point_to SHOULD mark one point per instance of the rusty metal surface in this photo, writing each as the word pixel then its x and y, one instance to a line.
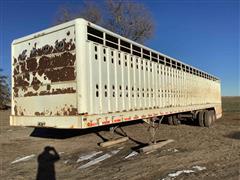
pixel 42 90
pixel 58 105
pixel 45 67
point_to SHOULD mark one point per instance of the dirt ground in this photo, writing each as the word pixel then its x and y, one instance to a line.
pixel 196 153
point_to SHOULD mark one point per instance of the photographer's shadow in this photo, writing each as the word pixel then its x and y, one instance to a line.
pixel 46 160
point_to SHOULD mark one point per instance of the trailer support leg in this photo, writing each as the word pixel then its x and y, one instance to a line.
pixel 153 144
pixel 152 129
pixel 113 140
pixel 112 131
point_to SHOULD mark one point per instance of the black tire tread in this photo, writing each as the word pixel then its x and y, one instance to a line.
pixel 201 118
pixel 207 118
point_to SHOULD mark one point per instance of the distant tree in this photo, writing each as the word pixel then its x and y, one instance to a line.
pixel 88 10
pixel 4 91
pixel 129 19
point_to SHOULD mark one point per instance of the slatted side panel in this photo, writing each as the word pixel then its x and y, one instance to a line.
pixel 122 82
pixel 94 72
pixel 132 103
pixel 142 87
pixel 125 79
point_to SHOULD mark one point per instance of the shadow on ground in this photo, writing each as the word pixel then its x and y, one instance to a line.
pixel 234 135
pixel 53 133
pixel 46 161
pixel 188 122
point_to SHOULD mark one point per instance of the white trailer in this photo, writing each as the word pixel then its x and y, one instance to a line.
pixel 80 75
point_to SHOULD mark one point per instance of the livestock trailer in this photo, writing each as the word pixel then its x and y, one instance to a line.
pixel 80 75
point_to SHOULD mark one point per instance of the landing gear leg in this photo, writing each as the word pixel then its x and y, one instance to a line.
pixel 153 127
pixel 114 140
pixel 112 131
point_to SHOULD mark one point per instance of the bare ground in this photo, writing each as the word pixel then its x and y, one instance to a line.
pixel 216 148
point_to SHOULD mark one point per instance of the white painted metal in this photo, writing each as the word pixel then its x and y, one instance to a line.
pixel 31 105
pixel 115 86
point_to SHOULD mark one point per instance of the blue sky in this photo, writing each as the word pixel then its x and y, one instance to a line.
pixel 203 33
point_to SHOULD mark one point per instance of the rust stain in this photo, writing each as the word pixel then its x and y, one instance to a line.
pixel 15 110
pixel 35 81
pixel 73 111
pixel 30 93
pixel 15 91
pixel 16 70
pixel 32 64
pixel 47 49
pixel 39 51
pixel 43 63
pixel 62 45
pixel 37 113
pixel 40 72
pixel 36 87
pixel 66 110
pixel 42 93
pixel 63 74
pixel 64 91
pixel 18 111
pixel 58 91
pixel 24 88
pixel 49 91
pixel 19 81
pixel 23 66
pixel 48 87
pixel 22 56
pixel 46 66
pixel 65 59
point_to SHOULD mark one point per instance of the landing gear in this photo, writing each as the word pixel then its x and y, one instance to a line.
pixel 114 140
pixel 153 127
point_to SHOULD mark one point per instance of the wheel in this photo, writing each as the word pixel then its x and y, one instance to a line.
pixel 213 116
pixel 170 120
pixel 208 118
pixel 176 121
pixel 201 118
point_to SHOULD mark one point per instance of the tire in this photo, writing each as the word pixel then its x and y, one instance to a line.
pixel 176 121
pixel 213 116
pixel 170 120
pixel 208 118
pixel 201 118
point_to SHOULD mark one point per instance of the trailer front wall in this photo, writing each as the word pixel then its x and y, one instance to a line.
pixel 44 75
